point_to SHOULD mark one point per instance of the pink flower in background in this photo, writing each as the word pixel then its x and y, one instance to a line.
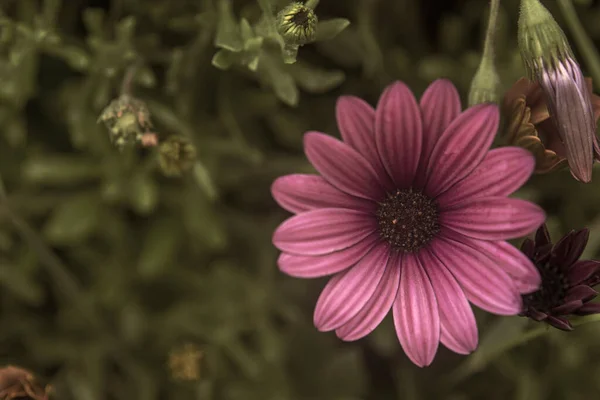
pixel 410 214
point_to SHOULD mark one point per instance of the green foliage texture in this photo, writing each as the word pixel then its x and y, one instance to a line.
pixel 106 265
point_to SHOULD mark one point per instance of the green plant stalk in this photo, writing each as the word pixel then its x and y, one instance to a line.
pixel 473 365
pixel 490 34
pixel 582 40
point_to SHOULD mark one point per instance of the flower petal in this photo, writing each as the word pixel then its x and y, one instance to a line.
pixel 461 148
pixel 484 283
pixel 570 247
pixel 342 166
pixel 581 292
pixel 399 133
pixel 378 306
pixel 416 314
pixel 356 121
pixel 582 270
pixel 440 105
pixel 501 173
pixel 559 323
pixel 347 292
pixel 589 308
pixel 567 308
pixel 510 259
pixel 458 326
pixel 328 264
pixel 323 231
pixel 303 192
pixel 494 218
pixel 571 109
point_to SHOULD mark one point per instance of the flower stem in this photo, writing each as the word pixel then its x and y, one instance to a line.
pixel 474 364
pixel 490 34
pixel 584 43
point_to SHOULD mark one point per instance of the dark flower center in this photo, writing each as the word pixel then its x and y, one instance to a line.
pixel 552 291
pixel 408 220
pixel 300 18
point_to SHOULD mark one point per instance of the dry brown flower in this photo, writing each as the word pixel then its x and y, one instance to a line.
pixel 18 383
pixel 530 126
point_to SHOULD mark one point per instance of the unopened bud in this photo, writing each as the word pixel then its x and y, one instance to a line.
pixel 297 24
pixel 176 155
pixel 542 42
pixel 484 86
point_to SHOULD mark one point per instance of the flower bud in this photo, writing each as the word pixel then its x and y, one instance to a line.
pixel 484 86
pixel 550 62
pixel 297 24
pixel 176 155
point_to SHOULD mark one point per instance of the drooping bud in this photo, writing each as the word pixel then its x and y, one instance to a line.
pixel 176 155
pixel 485 83
pixel 297 24
pixel 550 62
pixel 484 86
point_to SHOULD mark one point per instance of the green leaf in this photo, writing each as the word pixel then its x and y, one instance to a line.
pixel 159 247
pixel 20 284
pixel 331 28
pixel 50 170
pixel 224 59
pixel 74 220
pixel 228 31
pixel 143 195
pixel 316 80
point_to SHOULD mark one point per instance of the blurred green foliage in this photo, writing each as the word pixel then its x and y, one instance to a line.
pixel 107 266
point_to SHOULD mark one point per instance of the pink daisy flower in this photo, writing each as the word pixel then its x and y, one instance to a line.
pixel 410 214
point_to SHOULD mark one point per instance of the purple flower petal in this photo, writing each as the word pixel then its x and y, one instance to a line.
pixel 501 173
pixel 458 326
pixel 570 247
pixel 589 308
pixel 510 259
pixel 484 283
pixel 378 306
pixel 440 104
pixel 416 314
pixel 567 308
pixel 328 264
pixel 342 166
pixel 356 121
pixel 571 110
pixel 559 323
pixel 302 192
pixel 582 270
pixel 494 218
pixel 323 231
pixel 347 292
pixel 581 292
pixel 399 133
pixel 461 148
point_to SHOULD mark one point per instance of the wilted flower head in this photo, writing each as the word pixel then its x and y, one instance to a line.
pixel 19 384
pixel 127 119
pixel 550 62
pixel 410 214
pixel 297 24
pixel 530 126
pixel 566 281
pixel 184 362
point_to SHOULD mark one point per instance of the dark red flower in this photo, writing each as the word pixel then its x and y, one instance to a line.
pixel 566 281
